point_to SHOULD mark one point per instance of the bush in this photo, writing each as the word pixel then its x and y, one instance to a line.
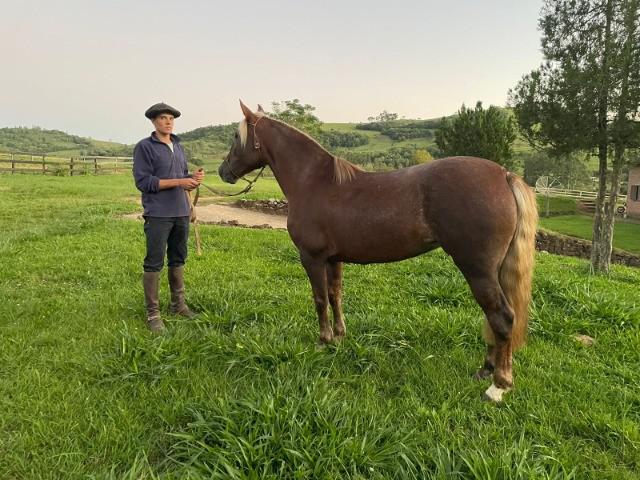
pixel 335 139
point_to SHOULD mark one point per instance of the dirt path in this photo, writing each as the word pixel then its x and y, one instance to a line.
pixel 229 215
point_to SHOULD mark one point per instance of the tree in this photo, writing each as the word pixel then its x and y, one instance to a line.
pixel 570 170
pixel 384 116
pixel 297 115
pixel 421 156
pixel 586 96
pixel 480 133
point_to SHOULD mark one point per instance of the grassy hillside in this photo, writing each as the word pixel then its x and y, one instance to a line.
pixel 87 392
pixel 54 142
pixel 207 145
pixel 377 141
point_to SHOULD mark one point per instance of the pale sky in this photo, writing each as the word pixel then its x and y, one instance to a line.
pixel 92 67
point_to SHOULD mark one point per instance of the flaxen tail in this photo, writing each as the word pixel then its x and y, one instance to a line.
pixel 517 267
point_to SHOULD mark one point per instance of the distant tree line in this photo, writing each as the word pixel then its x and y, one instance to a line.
pixel 395 157
pixel 336 139
pixel 402 130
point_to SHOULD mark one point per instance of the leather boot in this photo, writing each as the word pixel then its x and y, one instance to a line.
pixel 176 285
pixel 151 281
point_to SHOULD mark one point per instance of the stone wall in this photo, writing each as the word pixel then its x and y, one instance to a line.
pixel 271 206
pixel 575 247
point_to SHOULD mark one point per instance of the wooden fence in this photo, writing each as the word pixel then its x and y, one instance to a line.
pixel 562 192
pixel 54 165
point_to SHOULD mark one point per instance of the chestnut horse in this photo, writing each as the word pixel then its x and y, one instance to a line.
pixel 481 215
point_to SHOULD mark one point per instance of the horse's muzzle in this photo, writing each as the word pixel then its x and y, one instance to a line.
pixel 226 175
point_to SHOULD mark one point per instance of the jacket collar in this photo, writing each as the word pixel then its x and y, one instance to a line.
pixel 174 138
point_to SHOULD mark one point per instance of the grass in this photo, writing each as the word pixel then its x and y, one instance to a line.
pixel 86 392
pixel 626 235
pixel 557 205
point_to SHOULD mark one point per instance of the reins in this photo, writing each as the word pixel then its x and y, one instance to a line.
pixel 250 183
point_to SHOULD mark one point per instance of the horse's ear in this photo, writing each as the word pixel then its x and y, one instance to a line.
pixel 260 109
pixel 248 114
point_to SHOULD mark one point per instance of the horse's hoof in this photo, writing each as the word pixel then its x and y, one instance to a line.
pixel 494 394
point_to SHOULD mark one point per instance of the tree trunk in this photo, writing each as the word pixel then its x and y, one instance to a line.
pixel 598 248
pixel 619 136
pixel 599 258
pixel 610 210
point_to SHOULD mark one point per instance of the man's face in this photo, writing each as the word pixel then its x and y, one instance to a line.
pixel 164 123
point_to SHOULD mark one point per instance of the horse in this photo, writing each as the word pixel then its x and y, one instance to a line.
pixel 481 215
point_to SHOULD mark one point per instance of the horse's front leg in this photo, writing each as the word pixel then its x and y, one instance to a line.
pixel 334 280
pixel 317 272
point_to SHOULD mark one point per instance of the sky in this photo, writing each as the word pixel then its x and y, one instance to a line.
pixel 92 68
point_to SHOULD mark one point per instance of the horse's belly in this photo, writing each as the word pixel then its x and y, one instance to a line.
pixel 379 243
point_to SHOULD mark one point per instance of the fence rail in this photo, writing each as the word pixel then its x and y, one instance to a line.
pixel 563 192
pixel 54 165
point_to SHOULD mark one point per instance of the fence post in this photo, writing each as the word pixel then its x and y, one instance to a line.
pixel 71 167
pixel 95 165
pixel 116 169
pixel 13 165
pixel 44 166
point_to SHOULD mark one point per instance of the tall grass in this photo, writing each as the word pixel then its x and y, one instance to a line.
pixel 87 392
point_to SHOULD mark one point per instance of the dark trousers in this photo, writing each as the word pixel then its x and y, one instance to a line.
pixel 165 234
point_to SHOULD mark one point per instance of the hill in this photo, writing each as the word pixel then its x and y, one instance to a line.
pixel 374 145
pixel 38 140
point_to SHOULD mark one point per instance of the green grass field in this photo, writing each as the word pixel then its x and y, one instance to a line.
pixel 86 392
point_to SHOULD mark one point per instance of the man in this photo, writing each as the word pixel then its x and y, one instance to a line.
pixel 161 174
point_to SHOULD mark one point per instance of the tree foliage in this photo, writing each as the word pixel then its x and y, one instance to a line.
pixel 384 116
pixel 402 130
pixel 586 95
pixel 480 133
pixel 336 139
pixel 571 170
pixel 298 115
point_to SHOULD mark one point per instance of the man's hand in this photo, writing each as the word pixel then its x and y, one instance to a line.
pixel 189 183
pixel 198 176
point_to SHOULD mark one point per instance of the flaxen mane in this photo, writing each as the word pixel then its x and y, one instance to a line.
pixel 343 170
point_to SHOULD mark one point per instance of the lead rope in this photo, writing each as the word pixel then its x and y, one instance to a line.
pixel 193 202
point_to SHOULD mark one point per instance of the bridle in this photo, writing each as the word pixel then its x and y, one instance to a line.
pixel 194 201
pixel 256 146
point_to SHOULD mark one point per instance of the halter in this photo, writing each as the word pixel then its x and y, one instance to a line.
pixel 256 146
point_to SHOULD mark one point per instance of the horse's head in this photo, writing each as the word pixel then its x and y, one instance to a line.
pixel 245 155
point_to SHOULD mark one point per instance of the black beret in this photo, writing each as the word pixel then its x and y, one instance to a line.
pixel 154 110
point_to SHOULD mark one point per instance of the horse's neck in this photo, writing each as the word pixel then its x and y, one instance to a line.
pixel 297 162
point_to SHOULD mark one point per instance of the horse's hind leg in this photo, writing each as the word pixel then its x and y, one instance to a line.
pixel 486 370
pixel 334 280
pixel 317 273
pixel 499 315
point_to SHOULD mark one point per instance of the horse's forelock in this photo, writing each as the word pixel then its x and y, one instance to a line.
pixel 242 131
pixel 243 128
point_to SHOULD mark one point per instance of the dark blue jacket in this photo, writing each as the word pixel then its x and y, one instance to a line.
pixel 152 161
